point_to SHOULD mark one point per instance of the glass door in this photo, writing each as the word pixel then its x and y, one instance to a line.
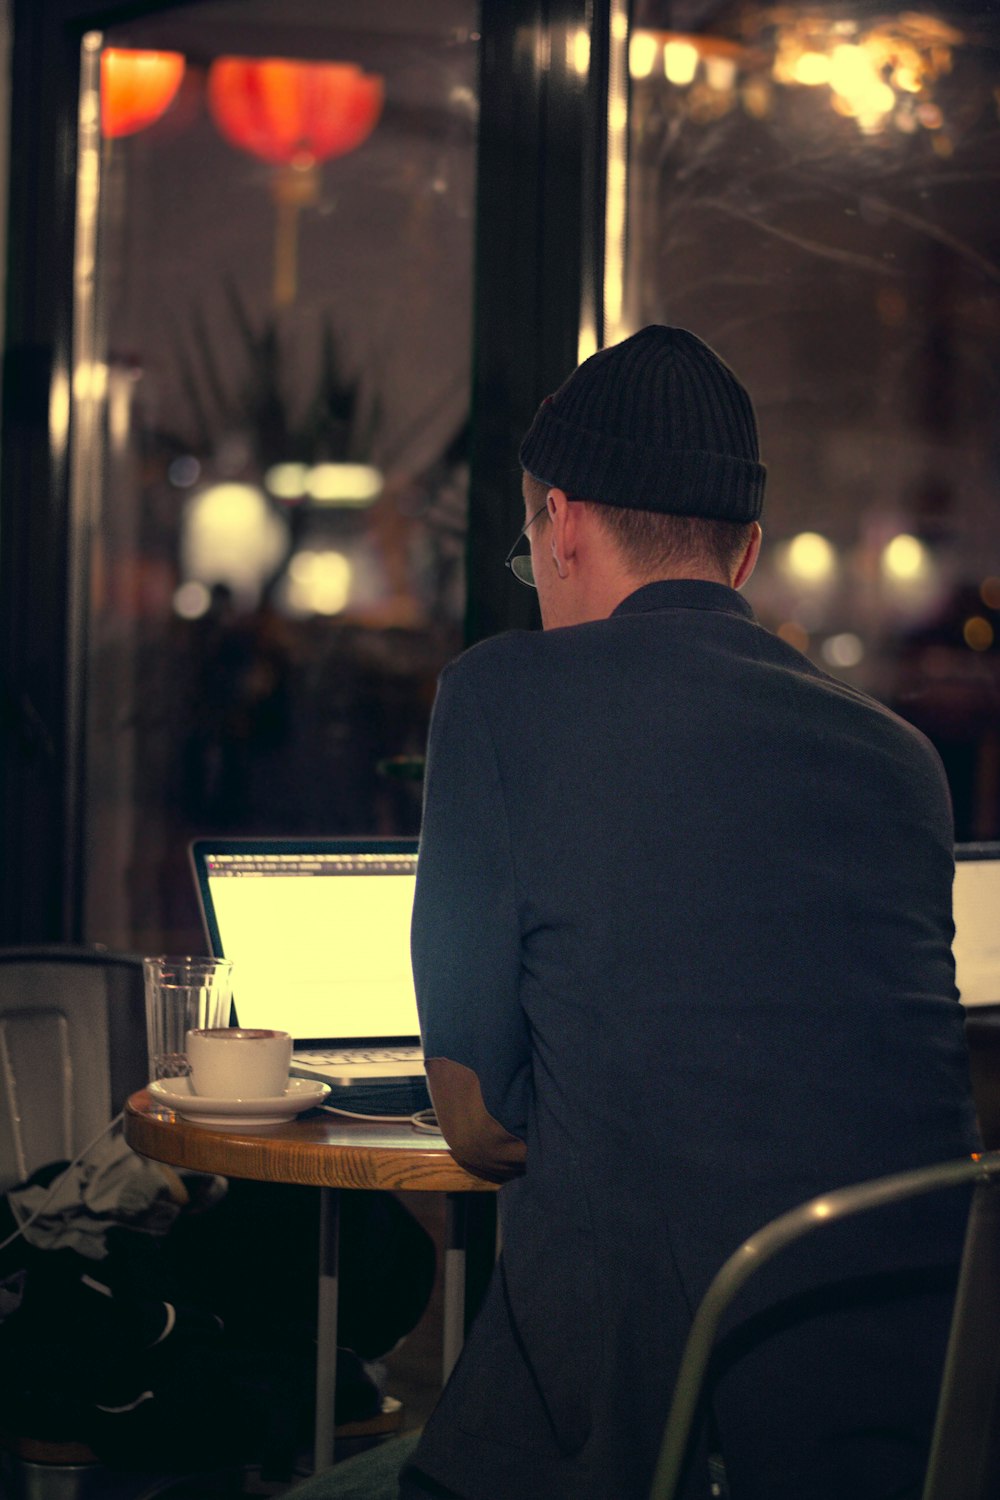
pixel 811 190
pixel 270 409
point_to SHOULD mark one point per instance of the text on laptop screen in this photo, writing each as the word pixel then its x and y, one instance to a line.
pixel 320 943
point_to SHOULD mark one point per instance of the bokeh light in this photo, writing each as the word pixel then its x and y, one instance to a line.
pixel 878 73
pixel 906 560
pixel 843 650
pixel 287 481
pixel 184 471
pixel 859 89
pixel 811 69
pixel 989 592
pixel 319 582
pixel 343 484
pixel 978 633
pixel 641 54
pixel 680 62
pixel 230 534
pixel 792 633
pixel 808 559
pixel 192 600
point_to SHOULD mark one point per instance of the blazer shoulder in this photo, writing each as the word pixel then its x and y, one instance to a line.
pixel 495 655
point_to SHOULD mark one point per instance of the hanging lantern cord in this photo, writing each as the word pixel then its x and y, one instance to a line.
pixel 295 187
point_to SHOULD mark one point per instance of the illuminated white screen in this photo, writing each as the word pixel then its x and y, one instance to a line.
pixel 977 931
pixel 320 956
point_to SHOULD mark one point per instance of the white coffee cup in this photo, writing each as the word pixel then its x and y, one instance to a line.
pixel 229 1062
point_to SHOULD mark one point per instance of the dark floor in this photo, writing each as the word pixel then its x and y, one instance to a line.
pixel 413 1377
pixel 268 1242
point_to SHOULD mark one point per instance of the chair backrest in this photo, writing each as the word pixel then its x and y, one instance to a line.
pixel 965 1453
pixel 72 1048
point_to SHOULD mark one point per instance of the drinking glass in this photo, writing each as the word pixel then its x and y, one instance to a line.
pixel 183 994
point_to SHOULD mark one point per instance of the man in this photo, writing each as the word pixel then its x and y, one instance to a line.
pixel 681 942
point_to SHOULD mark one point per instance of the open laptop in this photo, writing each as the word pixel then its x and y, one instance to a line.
pixel 977 923
pixel 319 934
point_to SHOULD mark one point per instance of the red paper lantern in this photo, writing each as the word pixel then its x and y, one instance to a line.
pixel 293 113
pixel 137 88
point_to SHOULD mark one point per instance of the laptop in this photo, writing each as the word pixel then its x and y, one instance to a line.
pixel 319 934
pixel 976 905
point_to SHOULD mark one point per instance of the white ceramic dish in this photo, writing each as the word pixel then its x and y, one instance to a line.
pixel 199 1109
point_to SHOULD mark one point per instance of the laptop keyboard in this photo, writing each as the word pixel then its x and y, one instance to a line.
pixel 342 1057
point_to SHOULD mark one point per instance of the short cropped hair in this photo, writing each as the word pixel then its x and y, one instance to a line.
pixel 653 543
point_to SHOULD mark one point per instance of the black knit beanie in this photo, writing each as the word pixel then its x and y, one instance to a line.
pixel 657 422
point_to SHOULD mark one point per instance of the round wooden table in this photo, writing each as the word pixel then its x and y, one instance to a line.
pixel 328 1152
pixel 318 1149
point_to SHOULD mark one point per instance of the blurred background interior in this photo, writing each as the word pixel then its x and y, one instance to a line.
pixel 286 280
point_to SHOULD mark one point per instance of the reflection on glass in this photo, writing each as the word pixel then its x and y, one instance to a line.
pixel 879 70
pixel 276 376
pixel 812 191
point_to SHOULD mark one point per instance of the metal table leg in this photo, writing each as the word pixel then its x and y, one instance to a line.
pixel 326 1328
pixel 470 1251
pixel 454 1281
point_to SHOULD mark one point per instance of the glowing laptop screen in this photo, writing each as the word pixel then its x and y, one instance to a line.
pixel 319 936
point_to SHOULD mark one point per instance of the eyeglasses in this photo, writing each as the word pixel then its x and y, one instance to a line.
pixel 520 565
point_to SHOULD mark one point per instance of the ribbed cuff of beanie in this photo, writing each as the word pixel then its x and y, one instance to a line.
pixel 681 482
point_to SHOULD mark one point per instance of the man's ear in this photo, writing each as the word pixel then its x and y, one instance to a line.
pixel 562 519
pixel 749 559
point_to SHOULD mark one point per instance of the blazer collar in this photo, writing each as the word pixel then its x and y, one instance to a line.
pixel 684 593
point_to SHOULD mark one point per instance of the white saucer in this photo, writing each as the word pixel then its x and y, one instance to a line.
pixel 200 1109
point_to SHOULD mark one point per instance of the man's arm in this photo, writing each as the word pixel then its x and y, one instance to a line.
pixel 478 1142
pixel 466 941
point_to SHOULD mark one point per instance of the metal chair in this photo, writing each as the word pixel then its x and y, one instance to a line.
pixel 72 1049
pixel 965 1451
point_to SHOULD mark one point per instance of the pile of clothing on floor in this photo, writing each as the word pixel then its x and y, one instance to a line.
pixel 168 1319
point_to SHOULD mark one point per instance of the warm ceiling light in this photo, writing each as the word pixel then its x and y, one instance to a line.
pixel 641 54
pixel 343 484
pixel 137 88
pixel 811 69
pixel 680 62
pixel 857 84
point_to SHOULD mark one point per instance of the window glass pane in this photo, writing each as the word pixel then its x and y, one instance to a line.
pixel 273 352
pixel 812 190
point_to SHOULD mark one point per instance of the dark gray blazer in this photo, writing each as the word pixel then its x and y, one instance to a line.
pixel 684 905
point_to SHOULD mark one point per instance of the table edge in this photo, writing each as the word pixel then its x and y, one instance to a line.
pixel 279 1155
